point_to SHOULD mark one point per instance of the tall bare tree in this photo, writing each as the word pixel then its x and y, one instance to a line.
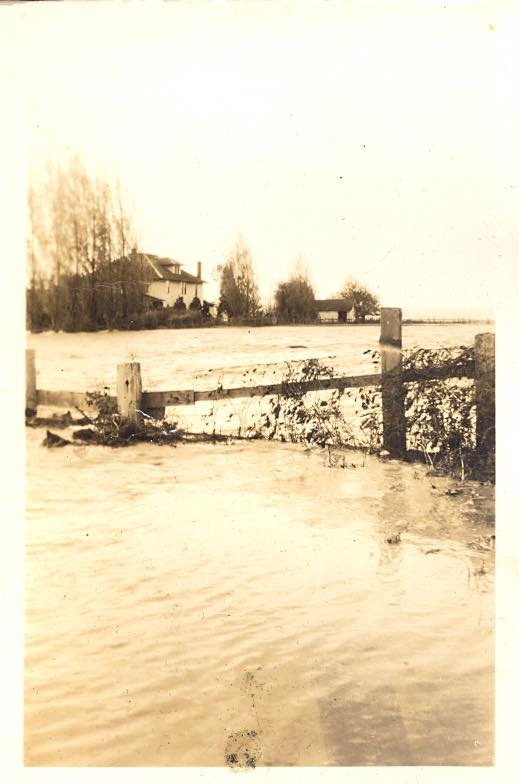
pixel 80 233
pixel 239 294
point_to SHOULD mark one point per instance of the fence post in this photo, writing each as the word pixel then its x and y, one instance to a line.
pixel 393 392
pixel 129 391
pixel 485 393
pixel 31 402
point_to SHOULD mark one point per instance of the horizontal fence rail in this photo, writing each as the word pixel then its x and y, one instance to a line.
pixel 51 397
pixel 186 397
pixel 133 402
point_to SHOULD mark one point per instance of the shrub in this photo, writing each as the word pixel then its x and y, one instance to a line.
pixel 294 415
pixel 440 414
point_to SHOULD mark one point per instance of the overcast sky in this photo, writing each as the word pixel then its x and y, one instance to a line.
pixel 362 139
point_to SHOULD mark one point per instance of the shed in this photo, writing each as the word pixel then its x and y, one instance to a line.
pixel 335 310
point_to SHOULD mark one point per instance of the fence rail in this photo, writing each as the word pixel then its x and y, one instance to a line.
pixel 185 397
pixel 132 401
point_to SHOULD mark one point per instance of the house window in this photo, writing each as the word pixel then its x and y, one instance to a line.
pixel 184 288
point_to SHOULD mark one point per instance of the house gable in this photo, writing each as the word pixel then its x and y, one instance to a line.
pixel 169 280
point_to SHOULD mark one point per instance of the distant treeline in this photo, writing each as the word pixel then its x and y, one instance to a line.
pixel 115 298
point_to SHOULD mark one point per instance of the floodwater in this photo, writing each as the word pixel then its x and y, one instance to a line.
pixel 239 603
pixel 199 358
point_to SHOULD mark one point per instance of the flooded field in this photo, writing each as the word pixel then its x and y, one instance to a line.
pixel 199 358
pixel 240 603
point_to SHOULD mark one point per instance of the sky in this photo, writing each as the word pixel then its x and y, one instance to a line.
pixel 360 138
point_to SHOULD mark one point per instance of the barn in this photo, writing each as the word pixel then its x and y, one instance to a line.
pixel 335 310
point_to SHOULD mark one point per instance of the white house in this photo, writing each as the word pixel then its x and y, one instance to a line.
pixel 169 281
pixel 335 310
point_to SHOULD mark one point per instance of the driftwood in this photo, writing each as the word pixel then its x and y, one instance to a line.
pixel 52 440
pixel 129 433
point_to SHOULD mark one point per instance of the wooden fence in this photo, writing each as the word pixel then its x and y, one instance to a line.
pixel 133 402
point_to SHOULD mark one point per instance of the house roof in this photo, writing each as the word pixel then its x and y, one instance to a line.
pixel 163 268
pixel 331 305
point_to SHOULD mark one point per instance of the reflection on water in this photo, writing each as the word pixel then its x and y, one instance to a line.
pixel 180 599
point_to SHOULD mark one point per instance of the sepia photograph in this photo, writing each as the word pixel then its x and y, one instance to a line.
pixel 259 290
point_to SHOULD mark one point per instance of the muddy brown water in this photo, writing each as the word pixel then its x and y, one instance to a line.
pixel 213 604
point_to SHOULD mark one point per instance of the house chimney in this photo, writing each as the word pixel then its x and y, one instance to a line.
pixel 199 270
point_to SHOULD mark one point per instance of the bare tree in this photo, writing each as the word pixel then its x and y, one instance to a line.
pixel 239 295
pixel 80 231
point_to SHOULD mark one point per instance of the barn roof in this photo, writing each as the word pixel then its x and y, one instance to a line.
pixel 332 305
